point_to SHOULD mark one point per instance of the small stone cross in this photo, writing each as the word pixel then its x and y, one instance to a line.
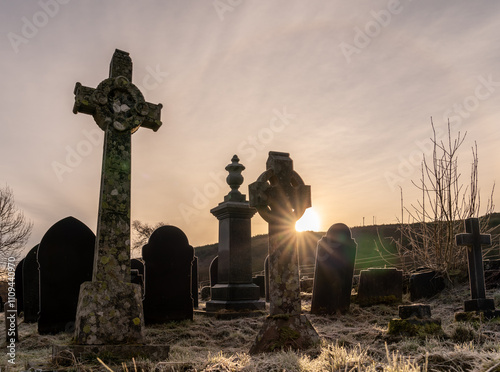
pixel 119 109
pixel 473 239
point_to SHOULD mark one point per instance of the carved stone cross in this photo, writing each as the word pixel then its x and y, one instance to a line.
pixel 119 109
pixel 473 239
pixel 110 307
pixel 281 198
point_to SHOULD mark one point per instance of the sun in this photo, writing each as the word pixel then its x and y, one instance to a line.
pixel 309 221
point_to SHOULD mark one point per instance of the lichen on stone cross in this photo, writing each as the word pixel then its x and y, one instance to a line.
pixel 110 307
pixel 119 109
pixel 280 197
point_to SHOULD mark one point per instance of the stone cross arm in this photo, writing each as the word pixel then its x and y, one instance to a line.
pixel 116 101
pixel 473 235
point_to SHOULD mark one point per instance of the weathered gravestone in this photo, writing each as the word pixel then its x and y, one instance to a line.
pixel 213 272
pixel 168 258
pixel 31 286
pixel 234 289
pixel 266 278
pixel 415 320
pixel 380 286
pixel 473 239
pixel 137 273
pixel 425 283
pixel 335 256
pixel 194 282
pixel 260 281
pixel 281 198
pixel 110 312
pixel 18 285
pixel 66 257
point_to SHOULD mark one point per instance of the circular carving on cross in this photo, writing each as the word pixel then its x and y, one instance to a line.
pixel 119 104
pixel 281 199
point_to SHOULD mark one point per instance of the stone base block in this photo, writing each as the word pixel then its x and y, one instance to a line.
pixel 235 292
pixel 214 305
pixel 479 304
pixel 109 313
pixel 66 355
pixel 419 311
pixel 284 332
pixel 228 315
pixel 413 327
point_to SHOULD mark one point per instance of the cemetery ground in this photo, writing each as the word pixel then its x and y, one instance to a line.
pixel 357 341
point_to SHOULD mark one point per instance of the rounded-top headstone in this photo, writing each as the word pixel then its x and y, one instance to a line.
pixel 339 233
pixel 31 286
pixel 66 259
pixel 168 261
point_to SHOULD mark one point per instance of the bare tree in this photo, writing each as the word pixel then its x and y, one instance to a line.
pixel 15 230
pixel 142 232
pixel 428 234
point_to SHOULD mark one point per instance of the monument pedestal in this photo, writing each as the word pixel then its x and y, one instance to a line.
pixel 109 313
pixel 284 332
pixel 235 297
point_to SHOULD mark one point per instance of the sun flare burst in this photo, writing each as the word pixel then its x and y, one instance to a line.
pixel 309 222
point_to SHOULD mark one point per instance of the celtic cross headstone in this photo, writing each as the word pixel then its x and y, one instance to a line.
pixel 110 308
pixel 281 198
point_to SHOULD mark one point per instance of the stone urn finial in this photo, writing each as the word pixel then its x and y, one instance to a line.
pixel 234 180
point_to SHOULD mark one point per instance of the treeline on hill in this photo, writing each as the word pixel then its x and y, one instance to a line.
pixel 376 247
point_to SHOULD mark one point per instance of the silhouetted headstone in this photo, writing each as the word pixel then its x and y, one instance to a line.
pixel 18 285
pixel 266 277
pixel 31 286
pixel 473 239
pixel 335 256
pixel 234 290
pixel 380 286
pixel 66 258
pixel 194 282
pixel 213 271
pixel 137 273
pixel 281 198
pixel 260 280
pixel 425 284
pixel 1 305
pixel 168 258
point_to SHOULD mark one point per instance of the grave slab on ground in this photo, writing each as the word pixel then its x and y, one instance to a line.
pixel 380 286
pixel 415 320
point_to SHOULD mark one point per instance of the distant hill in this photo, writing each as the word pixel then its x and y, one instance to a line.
pixel 370 240
pixel 366 237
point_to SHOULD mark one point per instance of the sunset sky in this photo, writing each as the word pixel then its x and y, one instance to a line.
pixel 347 88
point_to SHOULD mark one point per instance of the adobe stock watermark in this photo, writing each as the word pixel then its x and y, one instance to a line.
pixel 372 28
pixel 11 312
pixel 93 138
pixel 32 25
pixel 223 6
pixel 456 114
pixel 247 151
